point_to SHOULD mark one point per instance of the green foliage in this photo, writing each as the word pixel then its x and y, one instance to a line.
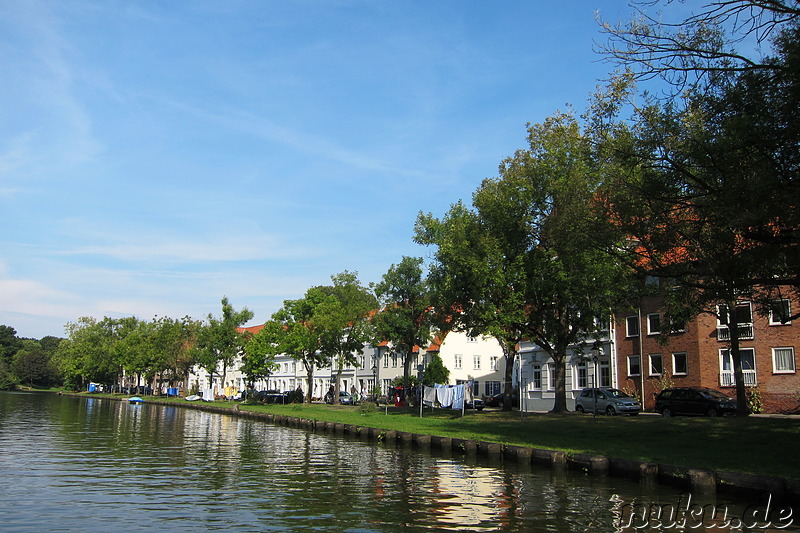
pixel 435 371
pixel 342 319
pixel 219 342
pixel 367 408
pixel 754 403
pixel 406 318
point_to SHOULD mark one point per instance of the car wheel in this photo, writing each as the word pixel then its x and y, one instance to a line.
pixel 579 408
pixel 667 412
pixel 610 411
pixel 712 412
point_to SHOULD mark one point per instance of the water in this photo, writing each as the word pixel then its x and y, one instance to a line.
pixel 77 464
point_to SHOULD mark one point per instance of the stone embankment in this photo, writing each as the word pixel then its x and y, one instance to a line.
pixel 696 480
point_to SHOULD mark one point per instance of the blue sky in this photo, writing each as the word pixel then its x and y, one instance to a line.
pixel 157 156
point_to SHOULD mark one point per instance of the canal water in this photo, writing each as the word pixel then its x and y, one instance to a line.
pixel 82 464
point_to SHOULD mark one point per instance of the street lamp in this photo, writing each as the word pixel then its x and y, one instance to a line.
pixel 597 352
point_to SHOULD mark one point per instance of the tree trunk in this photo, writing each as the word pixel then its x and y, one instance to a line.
pixel 742 405
pixel 309 380
pixel 510 355
pixel 560 402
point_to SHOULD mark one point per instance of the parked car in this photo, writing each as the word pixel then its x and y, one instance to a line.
pixel 497 400
pixel 694 401
pixel 344 398
pixel 609 401
pixel 476 404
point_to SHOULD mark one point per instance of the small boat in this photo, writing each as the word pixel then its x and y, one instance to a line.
pixel 135 399
pixel 193 398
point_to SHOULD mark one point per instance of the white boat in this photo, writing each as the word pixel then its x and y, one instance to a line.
pixel 135 399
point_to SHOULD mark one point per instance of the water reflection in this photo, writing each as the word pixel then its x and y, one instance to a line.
pixel 73 464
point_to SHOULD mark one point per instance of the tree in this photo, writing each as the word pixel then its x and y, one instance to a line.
pixel 293 331
pixel 258 361
pixel 406 317
pixel 708 183
pixel 479 272
pixel 32 365
pixel 343 322
pixel 537 231
pixel 435 371
pixel 715 39
pixel 219 342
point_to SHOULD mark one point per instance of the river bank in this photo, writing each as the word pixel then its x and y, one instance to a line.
pixel 692 454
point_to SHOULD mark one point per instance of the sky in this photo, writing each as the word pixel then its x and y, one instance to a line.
pixel 157 156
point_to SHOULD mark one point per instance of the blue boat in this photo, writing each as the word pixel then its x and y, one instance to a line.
pixel 135 399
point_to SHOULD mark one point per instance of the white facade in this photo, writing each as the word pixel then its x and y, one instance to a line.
pixel 479 360
pixel 536 370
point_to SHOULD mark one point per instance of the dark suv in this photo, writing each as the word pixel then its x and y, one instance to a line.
pixel 694 401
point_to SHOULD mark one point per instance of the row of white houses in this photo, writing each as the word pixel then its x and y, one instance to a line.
pixel 477 360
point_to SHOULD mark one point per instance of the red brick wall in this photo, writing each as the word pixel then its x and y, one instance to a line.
pixel 780 392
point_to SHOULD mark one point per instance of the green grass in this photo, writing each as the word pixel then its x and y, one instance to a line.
pixel 753 445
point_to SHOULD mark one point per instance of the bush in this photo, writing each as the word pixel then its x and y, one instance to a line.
pixel 368 408
pixel 754 403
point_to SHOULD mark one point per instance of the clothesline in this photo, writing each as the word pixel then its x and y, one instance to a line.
pixel 453 396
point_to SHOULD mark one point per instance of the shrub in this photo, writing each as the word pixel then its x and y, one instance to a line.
pixel 754 403
pixel 368 408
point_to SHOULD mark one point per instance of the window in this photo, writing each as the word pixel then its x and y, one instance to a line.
pixel 476 362
pixel 493 363
pixel 779 313
pixel 580 374
pixel 783 360
pixel 680 366
pixel 634 365
pixel 536 376
pixel 551 376
pixel 386 361
pixel 744 321
pixel 492 388
pixel 457 361
pixel 653 324
pixel 362 361
pixel 472 339
pixel 656 364
pixel 605 374
pixel 632 326
pixel 748 358
pixel 394 360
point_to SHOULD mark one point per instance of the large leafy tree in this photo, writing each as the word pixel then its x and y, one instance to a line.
pixel 532 251
pixel 293 331
pixel 708 180
pixel 406 318
pixel 218 340
pixel 343 322
pixel 479 272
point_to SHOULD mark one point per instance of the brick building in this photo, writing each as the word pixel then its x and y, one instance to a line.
pixel 698 355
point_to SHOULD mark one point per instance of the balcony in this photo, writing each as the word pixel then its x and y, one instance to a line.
pixel 745 332
pixel 727 379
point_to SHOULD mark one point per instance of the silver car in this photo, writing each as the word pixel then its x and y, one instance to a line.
pixel 607 400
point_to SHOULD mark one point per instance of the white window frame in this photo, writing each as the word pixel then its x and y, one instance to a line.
pixel 652 357
pixel 675 371
pixel 457 361
pixel 551 376
pixel 776 321
pixel 536 376
pixel 639 362
pixel 476 362
pixel 629 321
pixel 493 363
pixel 580 374
pixel 726 377
pixel 472 339
pixel 650 329
pixel 775 369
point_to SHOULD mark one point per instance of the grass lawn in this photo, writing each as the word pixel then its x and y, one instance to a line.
pixel 754 444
